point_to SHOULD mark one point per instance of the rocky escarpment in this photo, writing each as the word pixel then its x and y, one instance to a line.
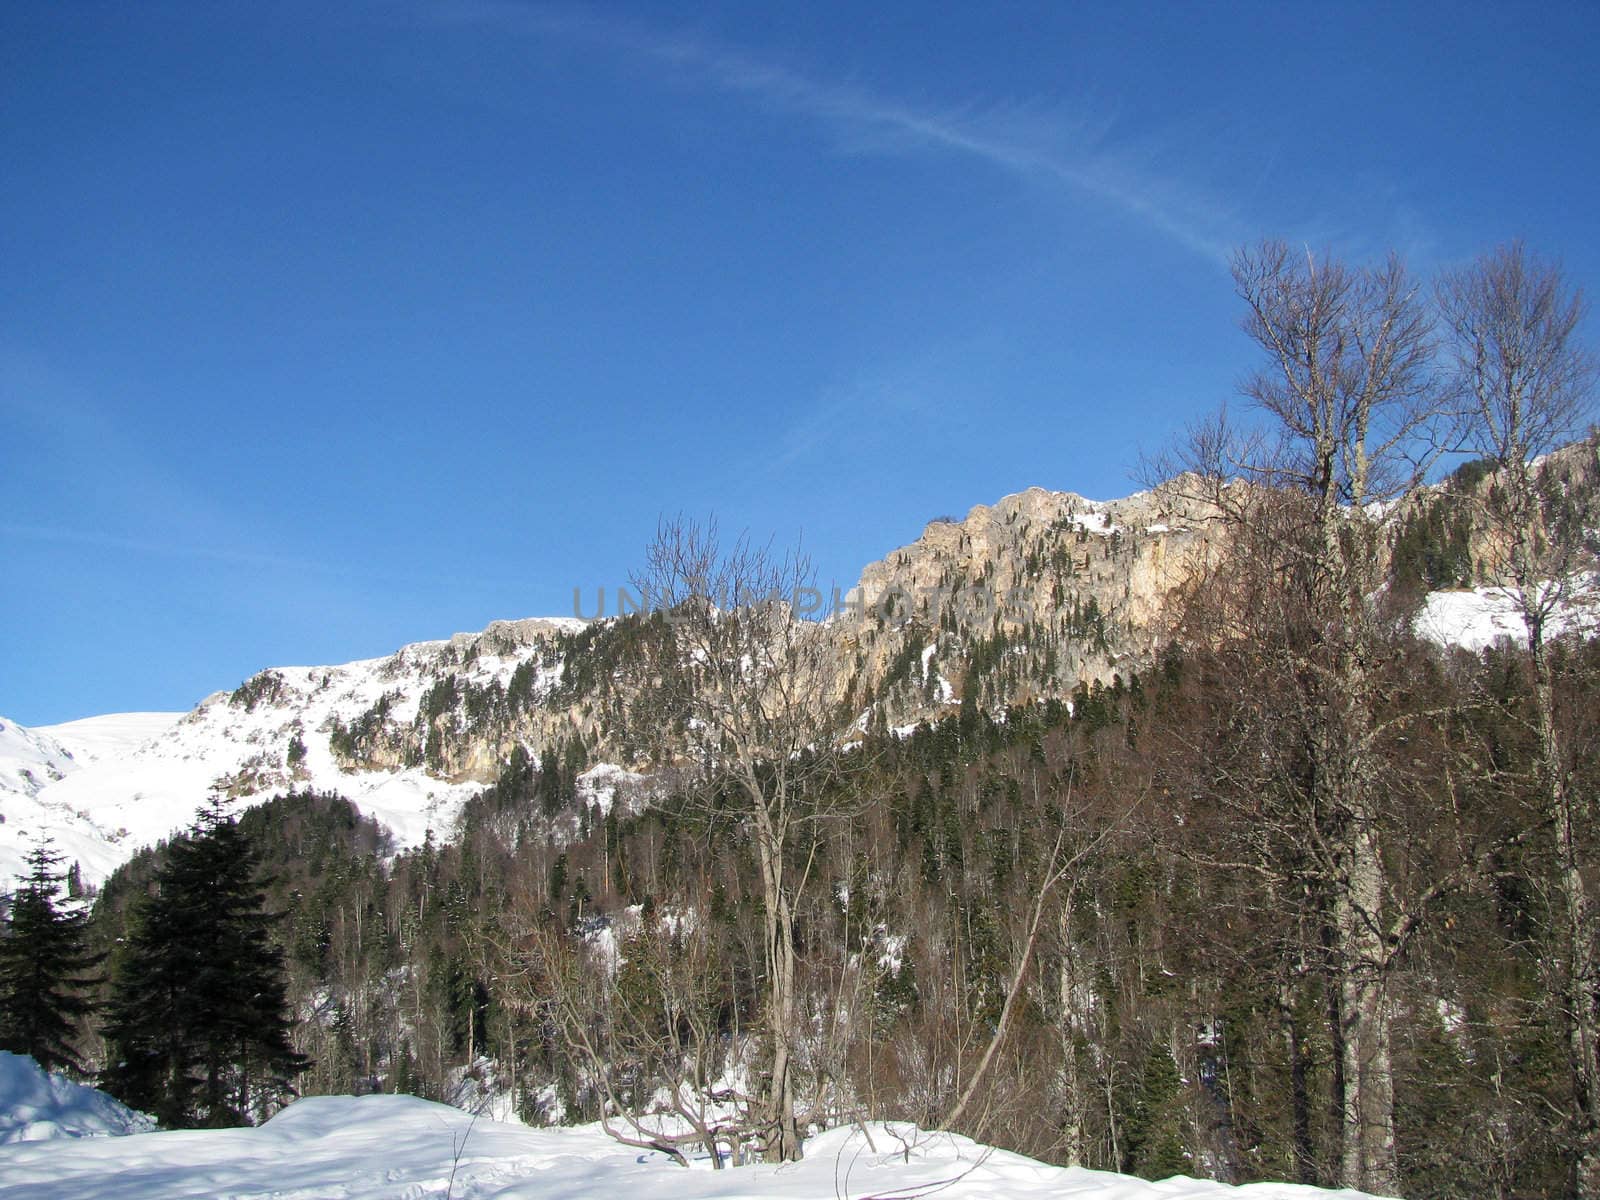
pixel 459 708
pixel 1029 598
pixel 1025 599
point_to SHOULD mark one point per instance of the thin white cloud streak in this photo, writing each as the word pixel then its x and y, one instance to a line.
pixel 930 389
pixel 253 560
pixel 66 536
pixel 1070 152
pixel 95 453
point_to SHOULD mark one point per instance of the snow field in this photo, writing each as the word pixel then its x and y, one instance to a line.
pixel 35 1107
pixel 401 1148
pixel 1477 619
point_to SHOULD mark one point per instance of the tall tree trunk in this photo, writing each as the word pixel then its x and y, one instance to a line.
pixel 1068 1021
pixel 1305 1155
pixel 1577 928
pixel 1339 1087
pixel 783 1138
pixel 1366 1118
pixel 1367 1148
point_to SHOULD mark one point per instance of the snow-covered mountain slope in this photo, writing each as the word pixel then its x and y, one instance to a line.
pixel 106 786
pixel 401 1148
pixel 103 787
pixel 1477 619
pixel 30 759
pixel 34 763
pixel 94 738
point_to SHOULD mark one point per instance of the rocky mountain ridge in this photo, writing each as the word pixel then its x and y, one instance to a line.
pixel 1033 597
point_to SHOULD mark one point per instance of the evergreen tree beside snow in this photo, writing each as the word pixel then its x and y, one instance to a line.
pixel 45 967
pixel 198 1025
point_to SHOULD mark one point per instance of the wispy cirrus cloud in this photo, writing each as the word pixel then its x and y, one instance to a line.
pixel 1078 151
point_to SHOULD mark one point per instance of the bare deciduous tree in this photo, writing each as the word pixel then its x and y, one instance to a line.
pixel 1060 871
pixel 1303 501
pixel 1527 384
pixel 742 693
pixel 645 1028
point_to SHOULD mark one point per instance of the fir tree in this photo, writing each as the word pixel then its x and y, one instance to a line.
pixel 199 1024
pixel 44 968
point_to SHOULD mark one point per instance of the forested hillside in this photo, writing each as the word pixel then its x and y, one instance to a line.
pixel 1175 1014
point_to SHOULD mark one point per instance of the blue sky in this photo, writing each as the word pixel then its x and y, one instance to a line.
pixel 333 327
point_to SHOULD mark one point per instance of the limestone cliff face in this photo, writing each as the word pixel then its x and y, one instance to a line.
pixel 459 708
pixel 1024 599
pixel 1029 598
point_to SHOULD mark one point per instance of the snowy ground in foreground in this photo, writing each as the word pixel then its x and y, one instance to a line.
pixel 399 1148
pixel 36 1107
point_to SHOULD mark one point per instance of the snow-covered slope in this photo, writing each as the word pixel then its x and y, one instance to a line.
pixel 30 760
pixel 94 738
pixel 1477 619
pixel 33 765
pixel 37 1107
pixel 400 1148
pixel 103 787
